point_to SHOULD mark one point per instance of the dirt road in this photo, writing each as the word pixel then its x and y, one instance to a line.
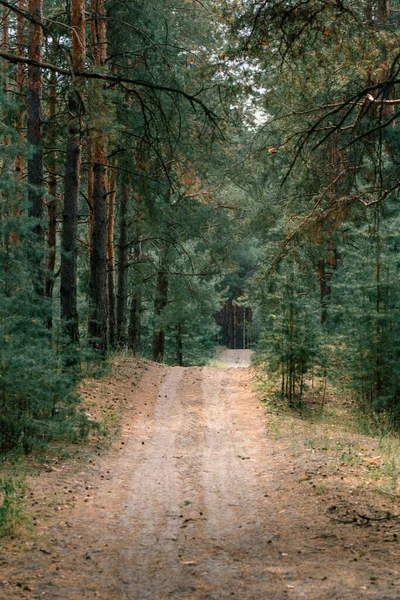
pixel 198 503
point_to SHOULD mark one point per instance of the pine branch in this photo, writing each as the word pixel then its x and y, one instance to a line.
pixel 192 99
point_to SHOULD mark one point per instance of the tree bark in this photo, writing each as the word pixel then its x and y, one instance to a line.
pixel 134 331
pixel 179 345
pixel 160 303
pixel 161 297
pixel 5 40
pixel 20 85
pixel 122 284
pixel 68 289
pixel 111 259
pixel 325 289
pixel 5 35
pixel 98 262
pixel 52 204
pixel 89 159
pixel 378 323
pixel 98 255
pixel 35 140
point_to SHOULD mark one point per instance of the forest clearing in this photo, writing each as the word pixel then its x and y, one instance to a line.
pixel 206 495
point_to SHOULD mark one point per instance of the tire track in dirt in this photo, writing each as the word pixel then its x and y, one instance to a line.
pixel 151 518
pixel 195 512
pixel 166 508
pixel 195 502
pixel 236 504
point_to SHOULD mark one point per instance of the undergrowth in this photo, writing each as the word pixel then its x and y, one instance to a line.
pixel 357 437
pixel 12 495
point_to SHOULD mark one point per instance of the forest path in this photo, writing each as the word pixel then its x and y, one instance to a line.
pixel 197 502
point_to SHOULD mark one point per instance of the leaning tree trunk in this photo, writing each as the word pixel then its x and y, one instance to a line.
pixel 122 282
pixel 68 286
pixel 35 140
pixel 98 255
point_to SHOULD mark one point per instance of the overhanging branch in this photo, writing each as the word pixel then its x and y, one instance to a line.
pixel 193 99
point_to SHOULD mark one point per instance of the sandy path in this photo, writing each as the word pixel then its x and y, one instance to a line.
pixel 197 503
pixel 236 358
pixel 196 508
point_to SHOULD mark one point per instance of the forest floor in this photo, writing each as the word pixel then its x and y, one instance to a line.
pixel 205 493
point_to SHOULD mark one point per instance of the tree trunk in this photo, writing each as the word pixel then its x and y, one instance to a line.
pixel 179 345
pixel 325 279
pixel 231 325
pixel 89 159
pixel 5 41
pixel 111 259
pixel 35 140
pixel 68 289
pixel 160 303
pixel 20 85
pixel 378 323
pixel 6 198
pixel 68 286
pixel 98 262
pixel 5 35
pixel 226 324
pixel 134 331
pixel 325 289
pixel 122 285
pixel 52 203
pixel 98 256
pixel 383 11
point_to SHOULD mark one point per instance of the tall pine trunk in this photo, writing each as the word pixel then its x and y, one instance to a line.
pixel 122 251
pixel 111 259
pixel 378 303
pixel 160 302
pixel 179 345
pixel 325 289
pixel 98 255
pixel 52 203
pixel 5 41
pixel 89 159
pixel 35 141
pixel 20 85
pixel 68 287
pixel 135 317
pixel 134 332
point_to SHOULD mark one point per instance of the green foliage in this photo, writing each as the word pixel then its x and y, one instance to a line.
pixel 37 398
pixel 290 338
pixel 12 494
pixel 366 310
pixel 321 188
pixel 193 302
